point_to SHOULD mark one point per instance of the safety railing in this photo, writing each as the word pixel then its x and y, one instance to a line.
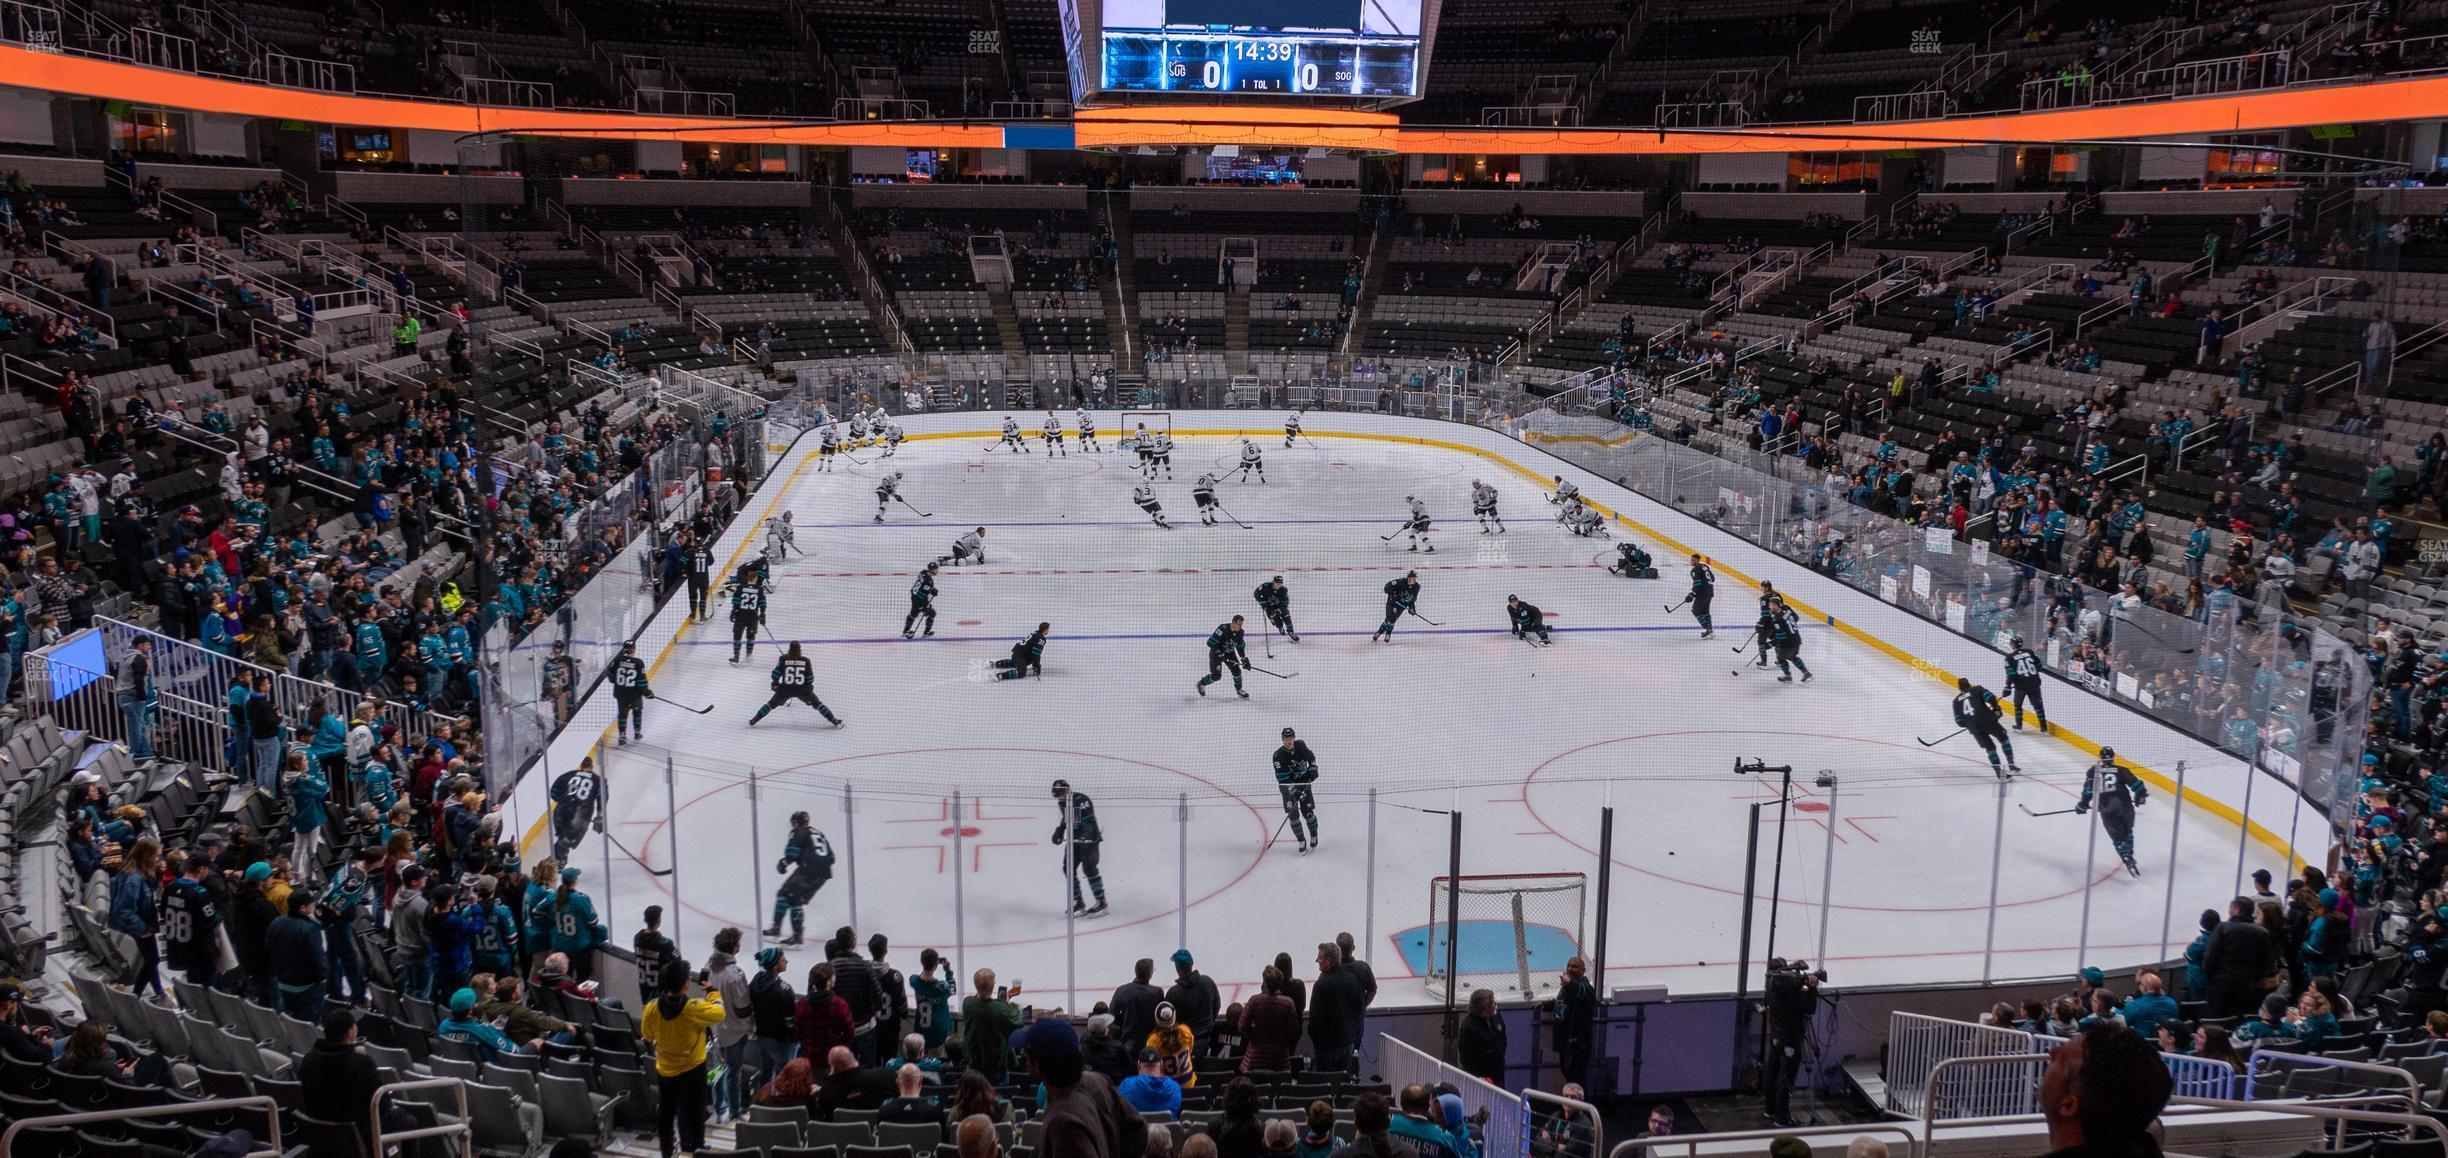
pixel 461 1130
pixel 2270 1074
pixel 1561 1127
pixel 270 1148
pixel 1402 1065
pixel 51 303
pixel 286 71
pixel 2310 296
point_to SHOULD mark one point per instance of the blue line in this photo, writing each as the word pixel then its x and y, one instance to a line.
pixel 1188 635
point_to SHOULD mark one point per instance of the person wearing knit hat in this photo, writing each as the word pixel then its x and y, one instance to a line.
pixel 1173 1043
pixel 2325 937
pixel 463 1024
pixel 574 928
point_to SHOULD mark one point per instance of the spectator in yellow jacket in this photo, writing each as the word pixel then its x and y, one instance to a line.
pixel 1172 1041
pixel 677 1023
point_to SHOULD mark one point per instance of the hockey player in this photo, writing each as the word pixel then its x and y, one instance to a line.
pixel 1527 619
pixel 1483 508
pixel 1785 633
pixel 828 444
pixel 1564 497
pixel 857 428
pixel 781 538
pixel 630 691
pixel 1145 495
pixel 808 857
pixel 892 438
pixel 1401 595
pixel 1202 496
pixel 1027 656
pixel 1417 524
pixel 1292 428
pixel 577 805
pixel 1164 455
pixel 1275 603
pixel 877 420
pixel 2023 684
pixel 747 614
pixel 1583 520
pixel 1145 444
pixel 1011 437
pixel 1053 435
pixel 969 548
pixel 794 678
pixel 888 489
pixel 1295 770
pixel 1079 826
pixel 701 577
pixel 1250 461
pixel 1087 431
pixel 2117 792
pixel 1631 562
pixel 1766 628
pixel 922 602
pixel 1703 589
pixel 1227 648
pixel 1978 713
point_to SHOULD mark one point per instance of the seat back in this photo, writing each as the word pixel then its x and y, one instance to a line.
pixel 918 1136
pixel 840 1134
pixel 758 1135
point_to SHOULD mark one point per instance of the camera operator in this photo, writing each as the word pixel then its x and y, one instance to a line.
pixel 1793 997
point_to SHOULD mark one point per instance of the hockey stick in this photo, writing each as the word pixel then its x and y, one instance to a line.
pixel 1398 530
pixel 1679 607
pixel 1236 521
pixel 704 711
pixel 1263 671
pixel 1746 644
pixel 1422 618
pixel 2059 812
pixel 641 861
pixel 914 507
pixel 1276 835
pixel 1269 636
pixel 1940 740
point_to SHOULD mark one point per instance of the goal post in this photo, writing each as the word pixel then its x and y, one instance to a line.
pixel 1512 932
pixel 1128 422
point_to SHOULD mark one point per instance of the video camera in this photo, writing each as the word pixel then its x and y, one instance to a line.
pixel 1796 969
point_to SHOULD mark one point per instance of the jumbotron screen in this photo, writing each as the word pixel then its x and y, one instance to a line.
pixel 1300 48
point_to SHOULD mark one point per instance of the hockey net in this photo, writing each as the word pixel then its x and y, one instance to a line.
pixel 1119 423
pixel 1514 931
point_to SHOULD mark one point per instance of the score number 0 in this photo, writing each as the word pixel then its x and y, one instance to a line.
pixel 1211 75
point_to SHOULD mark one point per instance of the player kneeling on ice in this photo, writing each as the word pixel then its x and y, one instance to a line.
pixel 1527 619
pixel 1145 495
pixel 808 857
pixel 969 548
pixel 1227 647
pixel 2117 792
pixel 1564 497
pixel 1977 712
pixel 1632 563
pixel 1295 770
pixel 1027 656
pixel 1585 521
pixel 1079 826
pixel 794 678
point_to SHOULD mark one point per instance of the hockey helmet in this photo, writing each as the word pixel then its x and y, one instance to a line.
pixel 1287 733
pixel 2018 641
pixel 1061 787
pixel 628 647
pixel 2107 753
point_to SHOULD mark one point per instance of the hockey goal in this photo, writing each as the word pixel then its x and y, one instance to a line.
pixel 1127 422
pixel 1512 932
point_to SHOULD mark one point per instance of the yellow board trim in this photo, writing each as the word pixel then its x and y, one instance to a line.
pixel 2165 783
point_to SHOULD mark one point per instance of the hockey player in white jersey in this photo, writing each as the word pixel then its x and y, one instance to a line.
pixel 828 444
pixel 969 548
pixel 1483 507
pixel 1145 495
pixel 1145 444
pixel 1417 524
pixel 1164 455
pixel 1087 431
pixel 781 538
pixel 1565 494
pixel 1011 437
pixel 1250 461
pixel 858 428
pixel 887 489
pixel 1584 520
pixel 1292 428
pixel 892 437
pixel 1202 495
pixel 1054 436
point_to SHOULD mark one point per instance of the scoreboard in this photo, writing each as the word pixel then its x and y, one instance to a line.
pixel 1367 49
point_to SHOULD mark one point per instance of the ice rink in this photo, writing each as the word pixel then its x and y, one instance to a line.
pixel 1629 708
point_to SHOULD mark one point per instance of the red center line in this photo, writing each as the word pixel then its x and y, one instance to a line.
pixel 1040 572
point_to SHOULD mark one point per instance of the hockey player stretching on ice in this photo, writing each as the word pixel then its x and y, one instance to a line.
pixel 1417 525
pixel 969 548
pixel 808 857
pixel 781 538
pixel 922 602
pixel 1527 619
pixel 1564 496
pixel 794 678
pixel 1703 589
pixel 1202 496
pixel 1483 508
pixel 887 489
pixel 1011 437
pixel 1785 632
pixel 1295 770
pixel 1087 431
pixel 629 691
pixel 2023 684
pixel 1275 603
pixel 747 616
pixel 1250 461
pixel 1227 647
pixel 577 805
pixel 1631 562
pixel 2117 792
pixel 1978 712
pixel 1054 436
pixel 1401 595
pixel 1079 826
pixel 1292 430
pixel 1145 495
pixel 1027 656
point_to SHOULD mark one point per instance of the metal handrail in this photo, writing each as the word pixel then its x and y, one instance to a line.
pixel 462 1129
pixel 271 1112
pixel 39 297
